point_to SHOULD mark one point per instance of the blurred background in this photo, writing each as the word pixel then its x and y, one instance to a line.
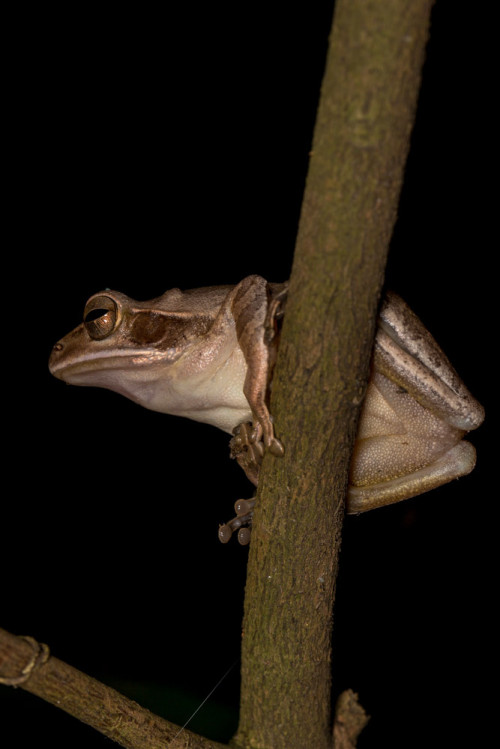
pixel 149 149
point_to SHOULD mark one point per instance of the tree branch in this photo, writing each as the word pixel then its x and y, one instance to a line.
pixel 87 699
pixel 360 145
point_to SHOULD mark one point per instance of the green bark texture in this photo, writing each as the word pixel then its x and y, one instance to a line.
pixel 361 141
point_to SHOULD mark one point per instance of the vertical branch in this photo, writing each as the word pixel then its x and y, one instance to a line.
pixel 360 145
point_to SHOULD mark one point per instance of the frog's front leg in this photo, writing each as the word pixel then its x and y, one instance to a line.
pixel 256 307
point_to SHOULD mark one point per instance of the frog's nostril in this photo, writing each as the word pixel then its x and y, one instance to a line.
pixel 58 347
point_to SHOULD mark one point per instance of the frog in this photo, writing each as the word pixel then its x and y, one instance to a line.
pixel 209 353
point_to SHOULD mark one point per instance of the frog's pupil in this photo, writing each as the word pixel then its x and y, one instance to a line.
pixel 95 314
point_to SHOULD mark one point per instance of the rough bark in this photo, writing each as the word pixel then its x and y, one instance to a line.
pixel 360 145
pixel 121 719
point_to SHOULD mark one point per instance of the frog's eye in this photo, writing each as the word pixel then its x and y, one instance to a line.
pixel 100 317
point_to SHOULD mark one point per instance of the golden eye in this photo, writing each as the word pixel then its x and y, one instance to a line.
pixel 100 317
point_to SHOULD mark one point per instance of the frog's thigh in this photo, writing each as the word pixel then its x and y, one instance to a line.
pixel 458 461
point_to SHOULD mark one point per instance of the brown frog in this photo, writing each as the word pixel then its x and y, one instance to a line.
pixel 209 354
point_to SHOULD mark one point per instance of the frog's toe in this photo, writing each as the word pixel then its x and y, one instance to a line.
pixel 240 523
pixel 244 536
pixel 275 447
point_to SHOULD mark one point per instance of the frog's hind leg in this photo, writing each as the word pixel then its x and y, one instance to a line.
pixel 458 461
pixel 407 353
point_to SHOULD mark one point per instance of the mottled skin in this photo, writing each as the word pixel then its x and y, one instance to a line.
pixel 208 354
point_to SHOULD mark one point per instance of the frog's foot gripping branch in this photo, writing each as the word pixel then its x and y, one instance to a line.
pixel 247 447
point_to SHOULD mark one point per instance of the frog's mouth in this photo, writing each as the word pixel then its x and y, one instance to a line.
pixel 118 373
pixel 72 367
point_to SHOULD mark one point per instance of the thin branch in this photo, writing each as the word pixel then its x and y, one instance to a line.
pixel 26 664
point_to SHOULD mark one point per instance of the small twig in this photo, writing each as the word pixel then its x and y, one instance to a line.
pixel 27 664
pixel 350 719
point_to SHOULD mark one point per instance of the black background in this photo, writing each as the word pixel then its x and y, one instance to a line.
pixel 151 149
